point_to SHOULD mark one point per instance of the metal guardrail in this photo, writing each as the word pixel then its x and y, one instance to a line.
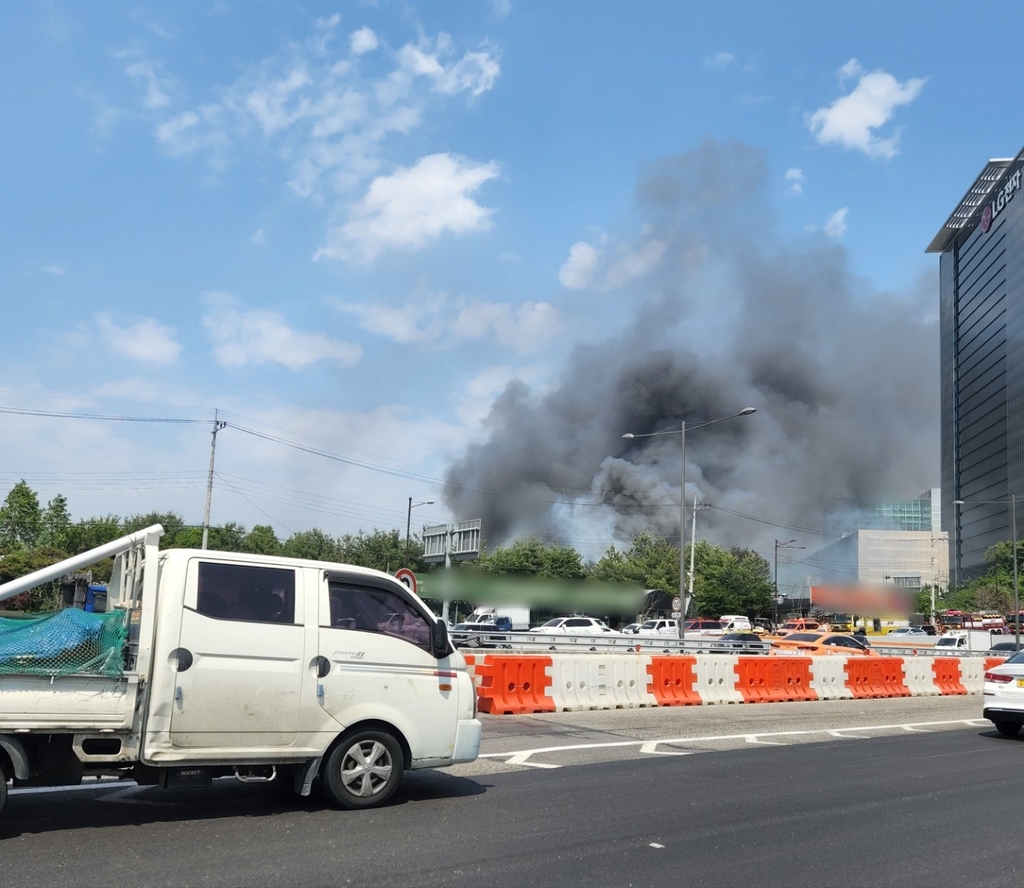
pixel 539 643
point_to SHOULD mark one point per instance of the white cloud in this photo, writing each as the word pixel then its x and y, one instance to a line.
pixel 796 179
pixel 835 226
pixel 474 73
pixel 149 76
pixel 327 118
pixel 851 120
pixel 361 41
pixel 244 338
pixel 719 61
pixel 259 238
pixel 586 265
pixel 414 206
pixel 56 270
pixel 148 341
pixel 440 321
pixel 578 270
pixel 635 263
pixel 501 7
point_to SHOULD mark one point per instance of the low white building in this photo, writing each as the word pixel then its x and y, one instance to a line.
pixel 908 558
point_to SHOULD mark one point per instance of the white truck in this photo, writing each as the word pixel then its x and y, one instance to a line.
pixel 230 664
pixel 965 640
pixel 488 617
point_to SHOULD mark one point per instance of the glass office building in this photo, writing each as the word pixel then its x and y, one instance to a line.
pixel 851 515
pixel 981 291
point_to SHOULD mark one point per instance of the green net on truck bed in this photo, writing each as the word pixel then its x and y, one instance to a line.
pixel 68 642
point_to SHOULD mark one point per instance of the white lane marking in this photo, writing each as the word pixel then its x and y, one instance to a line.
pixel 753 739
pixel 682 741
pixel 911 730
pixel 655 845
pixel 520 758
pixel 651 748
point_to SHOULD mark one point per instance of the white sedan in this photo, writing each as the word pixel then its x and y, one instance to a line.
pixel 573 626
pixel 1004 696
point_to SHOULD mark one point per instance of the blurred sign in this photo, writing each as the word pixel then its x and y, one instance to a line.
pixel 860 598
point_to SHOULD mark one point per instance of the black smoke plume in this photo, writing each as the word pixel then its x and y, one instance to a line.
pixel 844 379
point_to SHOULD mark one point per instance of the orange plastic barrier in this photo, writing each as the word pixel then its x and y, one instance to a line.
pixel 673 680
pixel 947 676
pixel 875 677
pixel 993 661
pixel 774 679
pixel 513 685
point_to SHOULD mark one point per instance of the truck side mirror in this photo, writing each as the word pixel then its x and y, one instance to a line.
pixel 439 645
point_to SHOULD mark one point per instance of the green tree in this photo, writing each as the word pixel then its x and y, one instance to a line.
pixel 21 519
pixel 531 557
pixel 315 544
pixel 24 561
pixel 650 562
pixel 261 540
pixel 731 581
pixel 56 523
pixel 92 532
pixel 381 550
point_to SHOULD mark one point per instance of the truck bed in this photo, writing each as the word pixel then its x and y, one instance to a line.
pixel 71 703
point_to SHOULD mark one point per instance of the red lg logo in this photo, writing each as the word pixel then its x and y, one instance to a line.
pixel 986 218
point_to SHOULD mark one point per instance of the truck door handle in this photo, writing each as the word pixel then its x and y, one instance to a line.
pixel 323 666
pixel 182 659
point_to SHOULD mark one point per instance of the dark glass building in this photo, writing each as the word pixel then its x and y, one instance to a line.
pixel 981 286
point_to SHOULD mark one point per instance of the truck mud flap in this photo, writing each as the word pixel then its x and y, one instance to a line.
pixel 181 778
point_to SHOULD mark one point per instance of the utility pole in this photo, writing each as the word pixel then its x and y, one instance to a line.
pixel 217 426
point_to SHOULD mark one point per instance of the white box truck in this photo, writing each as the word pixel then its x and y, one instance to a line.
pixel 232 664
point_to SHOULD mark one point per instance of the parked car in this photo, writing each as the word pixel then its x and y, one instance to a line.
pixel 1006 647
pixel 740 643
pixel 1003 696
pixel 574 626
pixel 822 643
pixel 704 627
pixel 659 627
pixel 906 632
pixel 631 629
pixel 799 625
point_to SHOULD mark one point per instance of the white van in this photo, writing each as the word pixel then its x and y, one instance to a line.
pixel 219 664
pixel 734 623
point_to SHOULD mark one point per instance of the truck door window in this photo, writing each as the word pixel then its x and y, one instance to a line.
pixel 373 609
pixel 245 593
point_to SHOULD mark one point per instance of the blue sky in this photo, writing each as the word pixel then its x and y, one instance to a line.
pixel 351 225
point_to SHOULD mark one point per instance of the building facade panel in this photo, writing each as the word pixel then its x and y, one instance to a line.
pixel 981 310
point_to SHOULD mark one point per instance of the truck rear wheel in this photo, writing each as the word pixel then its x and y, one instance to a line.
pixel 363 770
pixel 1007 729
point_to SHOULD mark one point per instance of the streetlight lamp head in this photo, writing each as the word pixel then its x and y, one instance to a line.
pixel 746 411
pixel 958 502
pixel 629 435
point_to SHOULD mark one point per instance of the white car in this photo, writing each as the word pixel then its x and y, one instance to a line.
pixel 659 627
pixel 573 626
pixel 1004 696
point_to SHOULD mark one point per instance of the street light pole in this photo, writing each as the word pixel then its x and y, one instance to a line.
pixel 681 624
pixel 408 525
pixel 788 544
pixel 956 551
pixel 1016 593
pixel 746 411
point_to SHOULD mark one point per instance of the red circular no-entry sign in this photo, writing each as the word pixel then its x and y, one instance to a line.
pixel 406 576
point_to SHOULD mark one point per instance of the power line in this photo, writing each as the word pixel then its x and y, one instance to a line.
pixel 61 414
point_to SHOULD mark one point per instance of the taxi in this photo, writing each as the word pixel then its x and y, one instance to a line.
pixel 821 643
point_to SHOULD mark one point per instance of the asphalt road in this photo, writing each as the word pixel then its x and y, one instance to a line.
pixel 885 803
